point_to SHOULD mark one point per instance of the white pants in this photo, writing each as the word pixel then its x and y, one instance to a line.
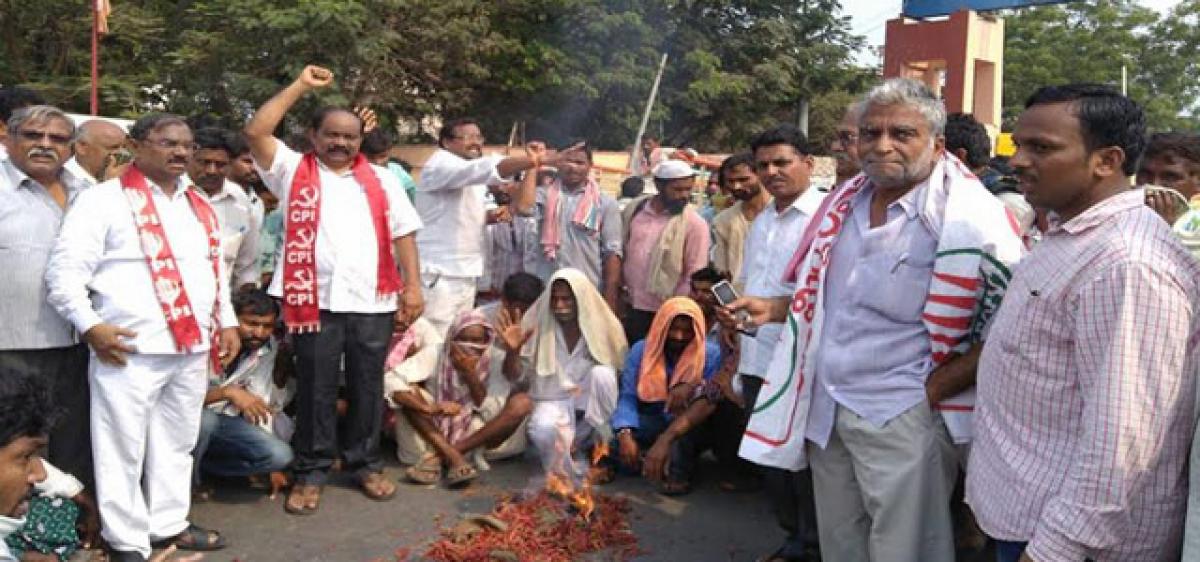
pixel 145 421
pixel 552 427
pixel 446 297
pixel 411 447
pixel 883 493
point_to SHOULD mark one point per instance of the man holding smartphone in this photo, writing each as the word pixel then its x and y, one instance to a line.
pixel 784 166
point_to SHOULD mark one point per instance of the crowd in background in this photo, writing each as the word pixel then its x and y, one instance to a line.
pixel 941 351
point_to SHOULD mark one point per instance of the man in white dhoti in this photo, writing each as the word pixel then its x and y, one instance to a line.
pixel 137 269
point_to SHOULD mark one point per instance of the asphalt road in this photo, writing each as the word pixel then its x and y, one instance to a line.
pixel 706 525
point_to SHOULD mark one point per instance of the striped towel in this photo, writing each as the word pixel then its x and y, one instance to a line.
pixel 587 215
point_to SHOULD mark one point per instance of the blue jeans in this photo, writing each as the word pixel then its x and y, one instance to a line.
pixel 652 422
pixel 232 446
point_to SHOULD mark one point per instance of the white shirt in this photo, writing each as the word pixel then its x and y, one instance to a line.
pixel 347 258
pixel 570 378
pixel 98 272
pixel 76 170
pixel 239 232
pixel 450 199
pixel 770 244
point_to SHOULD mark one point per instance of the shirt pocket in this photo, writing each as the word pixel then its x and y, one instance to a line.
pixel 893 286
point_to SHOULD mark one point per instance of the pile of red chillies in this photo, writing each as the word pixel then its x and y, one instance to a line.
pixel 544 528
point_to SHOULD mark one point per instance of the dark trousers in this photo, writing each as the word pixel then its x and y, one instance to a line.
pixel 363 339
pixel 1009 551
pixel 65 370
pixel 652 422
pixel 790 494
pixel 637 324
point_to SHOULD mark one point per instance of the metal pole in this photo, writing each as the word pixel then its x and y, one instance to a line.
pixel 1124 80
pixel 635 153
pixel 95 106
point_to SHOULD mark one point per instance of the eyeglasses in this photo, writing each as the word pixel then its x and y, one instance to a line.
pixel 35 136
pixel 171 145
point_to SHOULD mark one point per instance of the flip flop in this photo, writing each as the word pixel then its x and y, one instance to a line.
pixel 461 476
pixel 303 499
pixel 199 539
pixel 427 471
pixel 373 486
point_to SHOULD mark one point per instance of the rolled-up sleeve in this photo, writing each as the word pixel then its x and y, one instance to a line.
pixel 73 261
pixel 1132 325
pixel 611 230
pixel 448 172
pixel 278 176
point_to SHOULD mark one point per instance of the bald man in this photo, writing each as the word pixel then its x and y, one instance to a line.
pixel 95 143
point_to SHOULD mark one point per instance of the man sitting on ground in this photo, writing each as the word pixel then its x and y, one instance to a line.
pixel 575 346
pixel 456 403
pixel 243 430
pixel 661 376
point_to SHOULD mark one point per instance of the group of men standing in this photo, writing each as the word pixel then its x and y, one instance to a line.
pixel 893 333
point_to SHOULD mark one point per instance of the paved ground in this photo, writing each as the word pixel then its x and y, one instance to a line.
pixel 707 525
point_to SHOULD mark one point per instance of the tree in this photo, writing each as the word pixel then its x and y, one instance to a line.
pixel 1091 41
pixel 566 67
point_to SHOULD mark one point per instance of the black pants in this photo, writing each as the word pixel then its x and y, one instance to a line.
pixel 637 324
pixel 790 494
pixel 363 339
pixel 65 370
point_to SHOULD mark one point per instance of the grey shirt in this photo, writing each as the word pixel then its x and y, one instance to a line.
pixel 581 248
pixel 29 224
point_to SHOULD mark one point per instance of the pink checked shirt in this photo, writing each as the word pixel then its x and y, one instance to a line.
pixel 1086 392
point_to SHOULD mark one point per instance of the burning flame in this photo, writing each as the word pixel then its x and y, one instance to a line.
pixel 599 452
pixel 581 499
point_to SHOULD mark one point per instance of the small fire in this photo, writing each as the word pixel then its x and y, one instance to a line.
pixel 599 452
pixel 561 485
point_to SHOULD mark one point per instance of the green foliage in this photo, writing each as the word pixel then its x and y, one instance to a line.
pixel 564 67
pixel 1090 41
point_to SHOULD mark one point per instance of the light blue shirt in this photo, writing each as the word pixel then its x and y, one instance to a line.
pixel 30 220
pixel 874 354
pixel 626 414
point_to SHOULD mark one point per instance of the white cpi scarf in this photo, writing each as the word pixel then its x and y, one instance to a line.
pixel 977 245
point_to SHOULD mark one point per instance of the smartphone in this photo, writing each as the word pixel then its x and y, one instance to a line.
pixel 725 294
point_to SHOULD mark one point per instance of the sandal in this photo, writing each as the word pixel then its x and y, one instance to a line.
pixel 427 471
pixel 674 488
pixel 461 476
pixel 377 487
pixel 303 499
pixel 195 538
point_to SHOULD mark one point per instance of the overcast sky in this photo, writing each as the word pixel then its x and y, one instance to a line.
pixel 869 16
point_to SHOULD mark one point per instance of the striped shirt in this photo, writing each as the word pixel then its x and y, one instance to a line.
pixel 29 224
pixel 1086 391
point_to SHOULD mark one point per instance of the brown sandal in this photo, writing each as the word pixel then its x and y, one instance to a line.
pixel 303 499
pixel 377 487
pixel 427 471
pixel 461 475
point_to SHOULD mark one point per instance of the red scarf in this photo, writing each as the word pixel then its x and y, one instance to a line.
pixel 164 272
pixel 301 310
